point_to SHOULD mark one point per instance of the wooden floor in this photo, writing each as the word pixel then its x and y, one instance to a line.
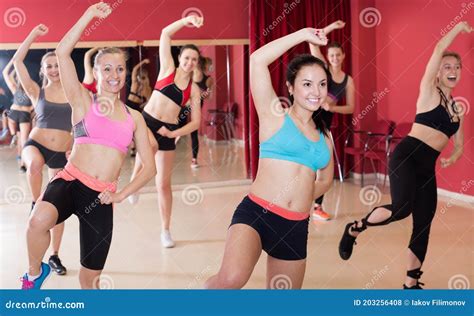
pixel 136 259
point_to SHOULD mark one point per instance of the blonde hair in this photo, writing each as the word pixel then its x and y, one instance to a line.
pixel 41 74
pixel 453 54
pixel 109 50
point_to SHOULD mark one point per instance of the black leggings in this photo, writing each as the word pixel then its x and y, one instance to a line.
pixel 195 143
pixel 413 191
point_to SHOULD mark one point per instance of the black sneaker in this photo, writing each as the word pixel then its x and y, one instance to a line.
pixel 56 265
pixel 414 287
pixel 347 243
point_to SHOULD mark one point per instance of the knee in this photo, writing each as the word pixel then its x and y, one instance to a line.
pixel 34 167
pixel 163 186
pixel 38 223
pixel 400 212
pixel 232 280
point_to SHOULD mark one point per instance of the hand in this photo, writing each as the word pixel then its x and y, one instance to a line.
pixel 100 10
pixel 164 131
pixel 465 27
pixel 315 36
pixel 195 20
pixel 446 162
pixel 205 94
pixel 339 24
pixel 40 30
pixel 146 61
pixel 325 106
pixel 108 197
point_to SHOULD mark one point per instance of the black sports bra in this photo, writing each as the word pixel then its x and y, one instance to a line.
pixel 440 118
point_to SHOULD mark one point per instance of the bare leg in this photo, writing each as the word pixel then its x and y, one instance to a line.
pixel 242 250
pixel 285 274
pixel 34 164
pixel 89 279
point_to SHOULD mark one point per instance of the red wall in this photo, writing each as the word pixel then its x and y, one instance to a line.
pixel 392 56
pixel 131 20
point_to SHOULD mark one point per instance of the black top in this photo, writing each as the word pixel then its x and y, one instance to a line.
pixel 440 118
pixel 20 98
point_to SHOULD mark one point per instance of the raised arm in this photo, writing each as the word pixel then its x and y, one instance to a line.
pixel 134 96
pixel 265 98
pixel 166 59
pixel 29 85
pixel 8 76
pixel 88 71
pixel 76 94
pixel 428 82
pixel 314 49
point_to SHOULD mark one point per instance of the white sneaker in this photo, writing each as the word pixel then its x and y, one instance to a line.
pixel 166 240
pixel 194 164
pixel 133 199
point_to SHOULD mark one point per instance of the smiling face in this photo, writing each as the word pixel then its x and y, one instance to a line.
pixel 188 60
pixel 335 56
pixel 449 72
pixel 110 72
pixel 50 69
pixel 310 87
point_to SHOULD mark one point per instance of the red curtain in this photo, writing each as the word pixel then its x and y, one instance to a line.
pixel 270 20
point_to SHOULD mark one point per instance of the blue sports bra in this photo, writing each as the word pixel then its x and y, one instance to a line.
pixel 290 144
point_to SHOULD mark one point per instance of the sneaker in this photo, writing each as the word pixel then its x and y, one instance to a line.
pixel 320 215
pixel 22 169
pixel 414 287
pixel 346 245
pixel 3 134
pixel 38 282
pixel 56 265
pixel 133 199
pixel 194 164
pixel 13 141
pixel 166 240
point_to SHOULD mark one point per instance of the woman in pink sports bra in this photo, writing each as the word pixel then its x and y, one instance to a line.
pixel 87 186
pixel 173 90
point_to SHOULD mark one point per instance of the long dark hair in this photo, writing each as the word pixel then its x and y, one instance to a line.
pixel 294 67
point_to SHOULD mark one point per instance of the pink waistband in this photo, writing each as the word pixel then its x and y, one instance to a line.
pixel 70 173
pixel 280 211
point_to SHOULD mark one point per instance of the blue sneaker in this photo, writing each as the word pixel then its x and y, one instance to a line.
pixel 38 282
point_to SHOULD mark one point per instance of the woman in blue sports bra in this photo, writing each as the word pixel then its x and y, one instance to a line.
pixel 173 90
pixel 412 164
pixel 295 167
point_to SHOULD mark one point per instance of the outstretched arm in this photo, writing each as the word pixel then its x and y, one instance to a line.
pixel 428 82
pixel 166 59
pixel 29 85
pixel 76 94
pixel 265 98
pixel 315 51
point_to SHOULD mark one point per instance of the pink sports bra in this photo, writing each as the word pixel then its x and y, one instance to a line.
pixel 97 128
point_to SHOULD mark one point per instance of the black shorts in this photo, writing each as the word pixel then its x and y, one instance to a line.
pixel 19 116
pixel 53 159
pixel 95 219
pixel 281 238
pixel 164 143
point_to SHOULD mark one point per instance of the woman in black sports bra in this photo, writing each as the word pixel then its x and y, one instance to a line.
pixel 412 165
pixel 341 85
pixel 173 90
